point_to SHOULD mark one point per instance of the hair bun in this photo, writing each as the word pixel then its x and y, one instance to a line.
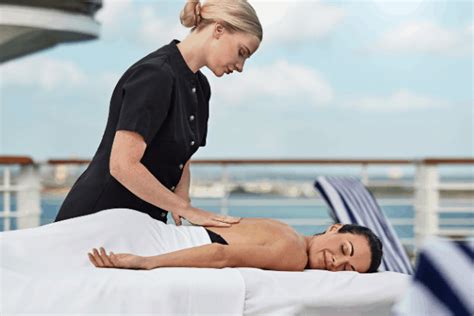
pixel 190 16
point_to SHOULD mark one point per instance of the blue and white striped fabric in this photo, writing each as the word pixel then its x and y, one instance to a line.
pixel 444 280
pixel 352 203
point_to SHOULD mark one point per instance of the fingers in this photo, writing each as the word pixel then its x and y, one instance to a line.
pixel 100 259
pixel 92 259
pixel 227 219
pixel 105 258
pixel 97 257
pixel 177 219
pixel 217 223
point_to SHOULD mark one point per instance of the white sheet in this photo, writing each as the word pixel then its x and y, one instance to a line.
pixel 46 269
pixel 318 292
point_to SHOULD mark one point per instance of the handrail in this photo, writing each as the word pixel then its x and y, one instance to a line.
pixel 446 161
pixel 283 161
pixel 68 161
pixel 16 160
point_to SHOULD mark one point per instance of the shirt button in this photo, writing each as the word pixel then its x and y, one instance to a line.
pixel 173 188
pixel 163 214
pixel 192 143
pixel 181 166
pixel 191 118
pixel 193 90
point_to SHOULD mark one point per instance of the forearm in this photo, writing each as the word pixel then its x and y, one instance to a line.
pixel 141 182
pixel 182 189
pixel 206 256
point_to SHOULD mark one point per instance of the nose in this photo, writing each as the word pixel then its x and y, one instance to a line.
pixel 337 263
pixel 240 67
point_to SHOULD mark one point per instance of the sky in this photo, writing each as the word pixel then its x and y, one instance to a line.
pixel 331 79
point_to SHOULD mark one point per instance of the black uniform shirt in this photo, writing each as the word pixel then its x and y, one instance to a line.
pixel 160 98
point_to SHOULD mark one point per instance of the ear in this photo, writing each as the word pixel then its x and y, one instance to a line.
pixel 219 30
pixel 334 228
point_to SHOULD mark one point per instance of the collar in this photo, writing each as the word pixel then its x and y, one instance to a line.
pixel 178 60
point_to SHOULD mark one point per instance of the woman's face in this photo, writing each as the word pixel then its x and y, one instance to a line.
pixel 229 51
pixel 337 252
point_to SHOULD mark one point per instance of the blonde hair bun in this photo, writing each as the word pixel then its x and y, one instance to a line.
pixel 191 14
pixel 235 15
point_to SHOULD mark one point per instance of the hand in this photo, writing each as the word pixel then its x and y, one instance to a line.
pixel 176 218
pixel 121 260
pixel 197 216
pixel 184 194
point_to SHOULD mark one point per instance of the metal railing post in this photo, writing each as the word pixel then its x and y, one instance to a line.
pixel 29 197
pixel 426 202
pixel 6 198
pixel 225 185
pixel 364 173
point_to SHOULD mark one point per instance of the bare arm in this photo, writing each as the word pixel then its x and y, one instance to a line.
pixel 125 166
pixel 280 256
pixel 182 189
pixel 276 257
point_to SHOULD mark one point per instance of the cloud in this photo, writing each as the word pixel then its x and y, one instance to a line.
pixel 296 22
pixel 42 72
pixel 402 100
pixel 279 82
pixel 156 30
pixel 426 37
pixel 55 79
pixel 113 16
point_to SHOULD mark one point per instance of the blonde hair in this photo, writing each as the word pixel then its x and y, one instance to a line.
pixel 235 15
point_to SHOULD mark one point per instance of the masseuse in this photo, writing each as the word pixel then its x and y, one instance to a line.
pixel 158 119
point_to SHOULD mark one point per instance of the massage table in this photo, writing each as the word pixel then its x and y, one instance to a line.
pixel 46 270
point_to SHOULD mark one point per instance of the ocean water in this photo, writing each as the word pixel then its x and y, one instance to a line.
pixel 266 206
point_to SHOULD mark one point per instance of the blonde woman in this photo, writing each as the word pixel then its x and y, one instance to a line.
pixel 158 119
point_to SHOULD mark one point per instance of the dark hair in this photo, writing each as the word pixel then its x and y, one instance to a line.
pixel 375 244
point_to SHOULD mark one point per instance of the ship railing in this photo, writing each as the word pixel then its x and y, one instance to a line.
pixel 425 197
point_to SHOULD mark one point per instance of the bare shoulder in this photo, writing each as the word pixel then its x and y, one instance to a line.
pixel 292 252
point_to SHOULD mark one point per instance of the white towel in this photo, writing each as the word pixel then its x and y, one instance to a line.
pixel 46 269
pixel 319 292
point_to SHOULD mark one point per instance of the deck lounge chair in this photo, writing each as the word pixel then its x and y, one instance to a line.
pixel 351 203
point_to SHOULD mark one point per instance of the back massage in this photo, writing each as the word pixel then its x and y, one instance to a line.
pixel 259 243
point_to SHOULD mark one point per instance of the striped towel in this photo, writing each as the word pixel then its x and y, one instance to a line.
pixel 444 280
pixel 352 203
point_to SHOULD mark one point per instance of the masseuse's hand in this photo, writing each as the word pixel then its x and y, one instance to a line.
pixel 197 216
pixel 177 219
pixel 100 259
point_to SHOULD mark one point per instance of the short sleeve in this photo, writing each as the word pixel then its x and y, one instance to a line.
pixel 207 92
pixel 203 142
pixel 146 100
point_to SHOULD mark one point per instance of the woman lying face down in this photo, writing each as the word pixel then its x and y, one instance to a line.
pixel 266 244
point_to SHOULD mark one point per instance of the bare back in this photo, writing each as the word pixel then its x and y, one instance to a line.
pixel 260 231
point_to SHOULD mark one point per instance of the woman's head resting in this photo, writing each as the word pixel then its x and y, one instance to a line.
pixel 230 28
pixel 345 247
